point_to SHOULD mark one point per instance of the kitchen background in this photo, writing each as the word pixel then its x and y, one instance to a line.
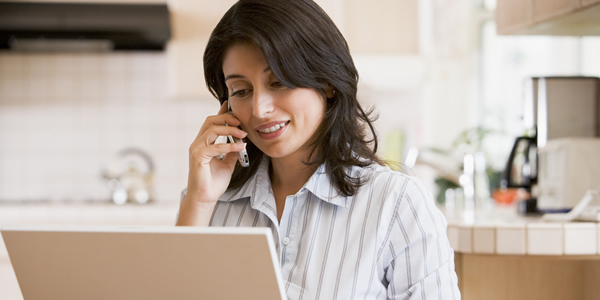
pixel 436 71
pixel 64 117
pixel 431 68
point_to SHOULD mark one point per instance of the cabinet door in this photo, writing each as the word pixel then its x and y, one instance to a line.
pixel 585 3
pixel 548 17
pixel 546 9
pixel 512 15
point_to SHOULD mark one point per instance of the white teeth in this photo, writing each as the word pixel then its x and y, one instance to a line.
pixel 273 128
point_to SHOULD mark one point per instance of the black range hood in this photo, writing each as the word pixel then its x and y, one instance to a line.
pixel 63 27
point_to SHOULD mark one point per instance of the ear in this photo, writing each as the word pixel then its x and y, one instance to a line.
pixel 329 91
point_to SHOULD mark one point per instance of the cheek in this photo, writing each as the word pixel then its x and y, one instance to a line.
pixel 316 112
pixel 241 113
pixel 246 128
pixel 317 119
pixel 312 104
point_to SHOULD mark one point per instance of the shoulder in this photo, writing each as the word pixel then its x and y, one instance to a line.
pixel 400 196
pixel 386 180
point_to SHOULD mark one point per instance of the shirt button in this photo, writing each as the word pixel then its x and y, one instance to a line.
pixel 286 240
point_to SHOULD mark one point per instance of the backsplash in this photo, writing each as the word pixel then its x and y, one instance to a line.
pixel 63 117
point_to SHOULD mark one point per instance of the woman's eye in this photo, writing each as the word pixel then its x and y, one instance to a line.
pixel 239 93
pixel 277 84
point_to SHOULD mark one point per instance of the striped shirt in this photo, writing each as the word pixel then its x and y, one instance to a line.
pixel 388 241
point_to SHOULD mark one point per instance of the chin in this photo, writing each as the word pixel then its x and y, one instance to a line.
pixel 275 151
pixel 277 154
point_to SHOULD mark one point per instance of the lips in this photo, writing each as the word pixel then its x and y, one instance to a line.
pixel 272 130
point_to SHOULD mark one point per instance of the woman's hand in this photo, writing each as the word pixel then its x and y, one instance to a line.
pixel 209 176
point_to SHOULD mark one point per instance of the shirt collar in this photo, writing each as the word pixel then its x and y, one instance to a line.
pixel 258 187
pixel 320 185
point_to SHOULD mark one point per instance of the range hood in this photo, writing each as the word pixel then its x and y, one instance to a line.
pixel 64 27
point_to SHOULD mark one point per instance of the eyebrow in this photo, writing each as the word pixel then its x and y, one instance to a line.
pixel 240 76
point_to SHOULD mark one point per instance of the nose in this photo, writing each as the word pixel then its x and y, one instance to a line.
pixel 262 104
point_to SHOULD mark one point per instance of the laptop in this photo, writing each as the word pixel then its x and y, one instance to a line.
pixel 110 262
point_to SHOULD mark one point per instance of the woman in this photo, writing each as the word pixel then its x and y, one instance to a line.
pixel 346 227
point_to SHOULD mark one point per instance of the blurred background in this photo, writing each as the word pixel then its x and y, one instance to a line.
pixel 81 126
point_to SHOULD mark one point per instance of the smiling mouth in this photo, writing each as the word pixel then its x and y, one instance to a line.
pixel 273 128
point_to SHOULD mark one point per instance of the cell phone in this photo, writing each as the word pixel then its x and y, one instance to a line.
pixel 242 155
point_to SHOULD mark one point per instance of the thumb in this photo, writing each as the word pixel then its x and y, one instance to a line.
pixel 230 159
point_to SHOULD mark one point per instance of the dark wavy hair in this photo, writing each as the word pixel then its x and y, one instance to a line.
pixel 305 49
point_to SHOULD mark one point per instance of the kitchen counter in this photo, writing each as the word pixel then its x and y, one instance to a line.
pixel 153 214
pixel 105 213
pixel 503 232
pixel 502 255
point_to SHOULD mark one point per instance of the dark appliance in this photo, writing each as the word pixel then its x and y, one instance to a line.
pixel 555 107
pixel 60 27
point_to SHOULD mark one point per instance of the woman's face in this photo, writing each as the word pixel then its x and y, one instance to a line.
pixel 280 121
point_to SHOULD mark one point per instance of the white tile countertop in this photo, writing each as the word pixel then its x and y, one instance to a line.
pixel 152 214
pixel 501 231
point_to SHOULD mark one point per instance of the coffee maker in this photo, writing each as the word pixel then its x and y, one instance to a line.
pixel 555 107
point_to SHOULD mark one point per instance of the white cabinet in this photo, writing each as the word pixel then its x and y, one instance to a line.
pixel 548 17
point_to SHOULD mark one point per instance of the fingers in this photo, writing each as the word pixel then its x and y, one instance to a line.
pixel 219 149
pixel 214 127
pixel 211 135
pixel 221 118
pixel 231 158
pixel 206 154
pixel 227 130
pixel 223 109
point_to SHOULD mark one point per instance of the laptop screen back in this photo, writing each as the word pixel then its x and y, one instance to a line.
pixel 144 263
